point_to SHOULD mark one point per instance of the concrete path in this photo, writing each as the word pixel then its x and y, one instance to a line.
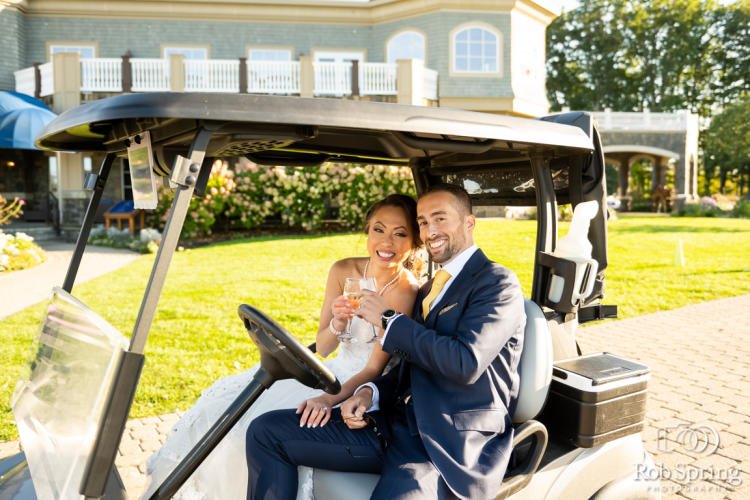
pixel 700 365
pixel 21 289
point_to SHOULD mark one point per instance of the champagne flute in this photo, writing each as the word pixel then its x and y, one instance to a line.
pixel 352 289
pixel 351 294
pixel 369 284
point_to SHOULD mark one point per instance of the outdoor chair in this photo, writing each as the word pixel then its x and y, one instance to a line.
pixel 124 211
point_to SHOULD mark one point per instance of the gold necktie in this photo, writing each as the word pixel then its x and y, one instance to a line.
pixel 437 285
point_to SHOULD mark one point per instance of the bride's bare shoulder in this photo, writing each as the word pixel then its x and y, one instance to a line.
pixel 350 266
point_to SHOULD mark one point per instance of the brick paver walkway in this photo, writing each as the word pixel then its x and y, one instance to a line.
pixel 700 365
pixel 700 369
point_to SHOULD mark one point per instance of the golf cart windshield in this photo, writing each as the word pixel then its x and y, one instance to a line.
pixel 60 398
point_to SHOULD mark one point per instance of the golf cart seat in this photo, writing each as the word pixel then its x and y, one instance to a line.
pixel 535 370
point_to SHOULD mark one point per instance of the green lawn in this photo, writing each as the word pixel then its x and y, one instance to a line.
pixel 197 336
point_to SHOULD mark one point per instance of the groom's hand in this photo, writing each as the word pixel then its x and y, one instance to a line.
pixel 353 409
pixel 371 307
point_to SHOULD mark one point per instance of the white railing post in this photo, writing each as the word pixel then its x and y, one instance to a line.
pixel 273 77
pixel 150 75
pixel 26 81
pixel 333 78
pixel 378 79
pixel 212 75
pixel 101 75
pixel 430 84
pixel 47 76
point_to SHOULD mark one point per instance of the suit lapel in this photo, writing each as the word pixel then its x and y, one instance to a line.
pixel 464 278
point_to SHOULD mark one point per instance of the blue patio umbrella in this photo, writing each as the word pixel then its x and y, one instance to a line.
pixel 19 127
pixel 10 100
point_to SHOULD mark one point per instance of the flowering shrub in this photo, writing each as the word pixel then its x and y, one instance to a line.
pixel 716 205
pixel 9 210
pixel 203 210
pixel 253 200
pixel 19 252
pixel 302 196
pixel 147 242
pixel 364 185
pixel 299 196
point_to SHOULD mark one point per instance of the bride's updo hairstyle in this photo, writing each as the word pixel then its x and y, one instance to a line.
pixel 409 207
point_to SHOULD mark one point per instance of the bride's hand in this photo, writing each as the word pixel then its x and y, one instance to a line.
pixel 341 312
pixel 315 411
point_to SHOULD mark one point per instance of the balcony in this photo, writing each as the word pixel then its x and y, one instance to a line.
pixel 304 77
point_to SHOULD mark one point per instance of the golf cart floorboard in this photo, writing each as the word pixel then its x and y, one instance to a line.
pixel 556 447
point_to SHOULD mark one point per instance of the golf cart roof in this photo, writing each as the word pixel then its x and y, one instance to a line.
pixel 283 130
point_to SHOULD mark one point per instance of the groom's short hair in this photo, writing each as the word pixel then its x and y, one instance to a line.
pixel 463 201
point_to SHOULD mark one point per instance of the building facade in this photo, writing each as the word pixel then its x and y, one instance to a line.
pixel 483 55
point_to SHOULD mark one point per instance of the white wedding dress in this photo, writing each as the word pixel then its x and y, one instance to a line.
pixel 223 475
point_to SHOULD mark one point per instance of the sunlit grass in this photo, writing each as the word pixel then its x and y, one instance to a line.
pixel 197 336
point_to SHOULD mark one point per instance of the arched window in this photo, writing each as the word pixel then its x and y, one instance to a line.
pixel 406 45
pixel 475 50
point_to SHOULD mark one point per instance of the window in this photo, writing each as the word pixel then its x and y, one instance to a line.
pixel 86 51
pixel 263 54
pixel 406 45
pixel 188 52
pixel 475 50
pixel 338 55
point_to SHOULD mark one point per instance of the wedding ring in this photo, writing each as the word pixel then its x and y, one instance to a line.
pixel 324 409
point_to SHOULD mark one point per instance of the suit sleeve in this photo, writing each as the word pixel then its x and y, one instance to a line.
pixel 492 315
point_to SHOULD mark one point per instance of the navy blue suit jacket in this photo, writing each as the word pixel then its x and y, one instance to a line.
pixel 462 362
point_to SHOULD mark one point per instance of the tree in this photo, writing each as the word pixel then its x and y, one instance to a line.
pixel 632 55
pixel 726 144
pixel 585 58
pixel 734 59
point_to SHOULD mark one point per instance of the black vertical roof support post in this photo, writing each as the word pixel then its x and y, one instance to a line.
pixel 88 222
pixel 171 235
pixel 546 222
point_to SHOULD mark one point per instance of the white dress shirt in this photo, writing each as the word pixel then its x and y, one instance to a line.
pixel 454 267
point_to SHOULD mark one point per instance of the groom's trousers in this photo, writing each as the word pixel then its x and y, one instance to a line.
pixel 276 445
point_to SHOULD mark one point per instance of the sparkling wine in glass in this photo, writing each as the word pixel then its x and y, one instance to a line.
pixel 352 288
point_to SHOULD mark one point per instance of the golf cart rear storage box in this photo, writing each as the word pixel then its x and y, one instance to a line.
pixel 596 398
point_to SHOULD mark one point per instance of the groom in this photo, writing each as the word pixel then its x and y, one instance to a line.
pixel 439 424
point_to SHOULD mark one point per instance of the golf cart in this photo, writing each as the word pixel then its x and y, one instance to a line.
pixel 586 440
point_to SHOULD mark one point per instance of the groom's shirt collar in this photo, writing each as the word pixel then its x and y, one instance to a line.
pixel 459 261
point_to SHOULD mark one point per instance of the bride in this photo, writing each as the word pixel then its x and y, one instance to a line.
pixel 392 241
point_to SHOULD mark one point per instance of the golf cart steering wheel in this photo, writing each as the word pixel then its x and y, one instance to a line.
pixel 282 355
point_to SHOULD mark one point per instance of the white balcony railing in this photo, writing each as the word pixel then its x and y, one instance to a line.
pixel 622 120
pixel 378 79
pixel 150 75
pixel 47 79
pixel 332 79
pixel 273 77
pixel 430 84
pixel 25 81
pixel 212 75
pixel 219 75
pixel 101 75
